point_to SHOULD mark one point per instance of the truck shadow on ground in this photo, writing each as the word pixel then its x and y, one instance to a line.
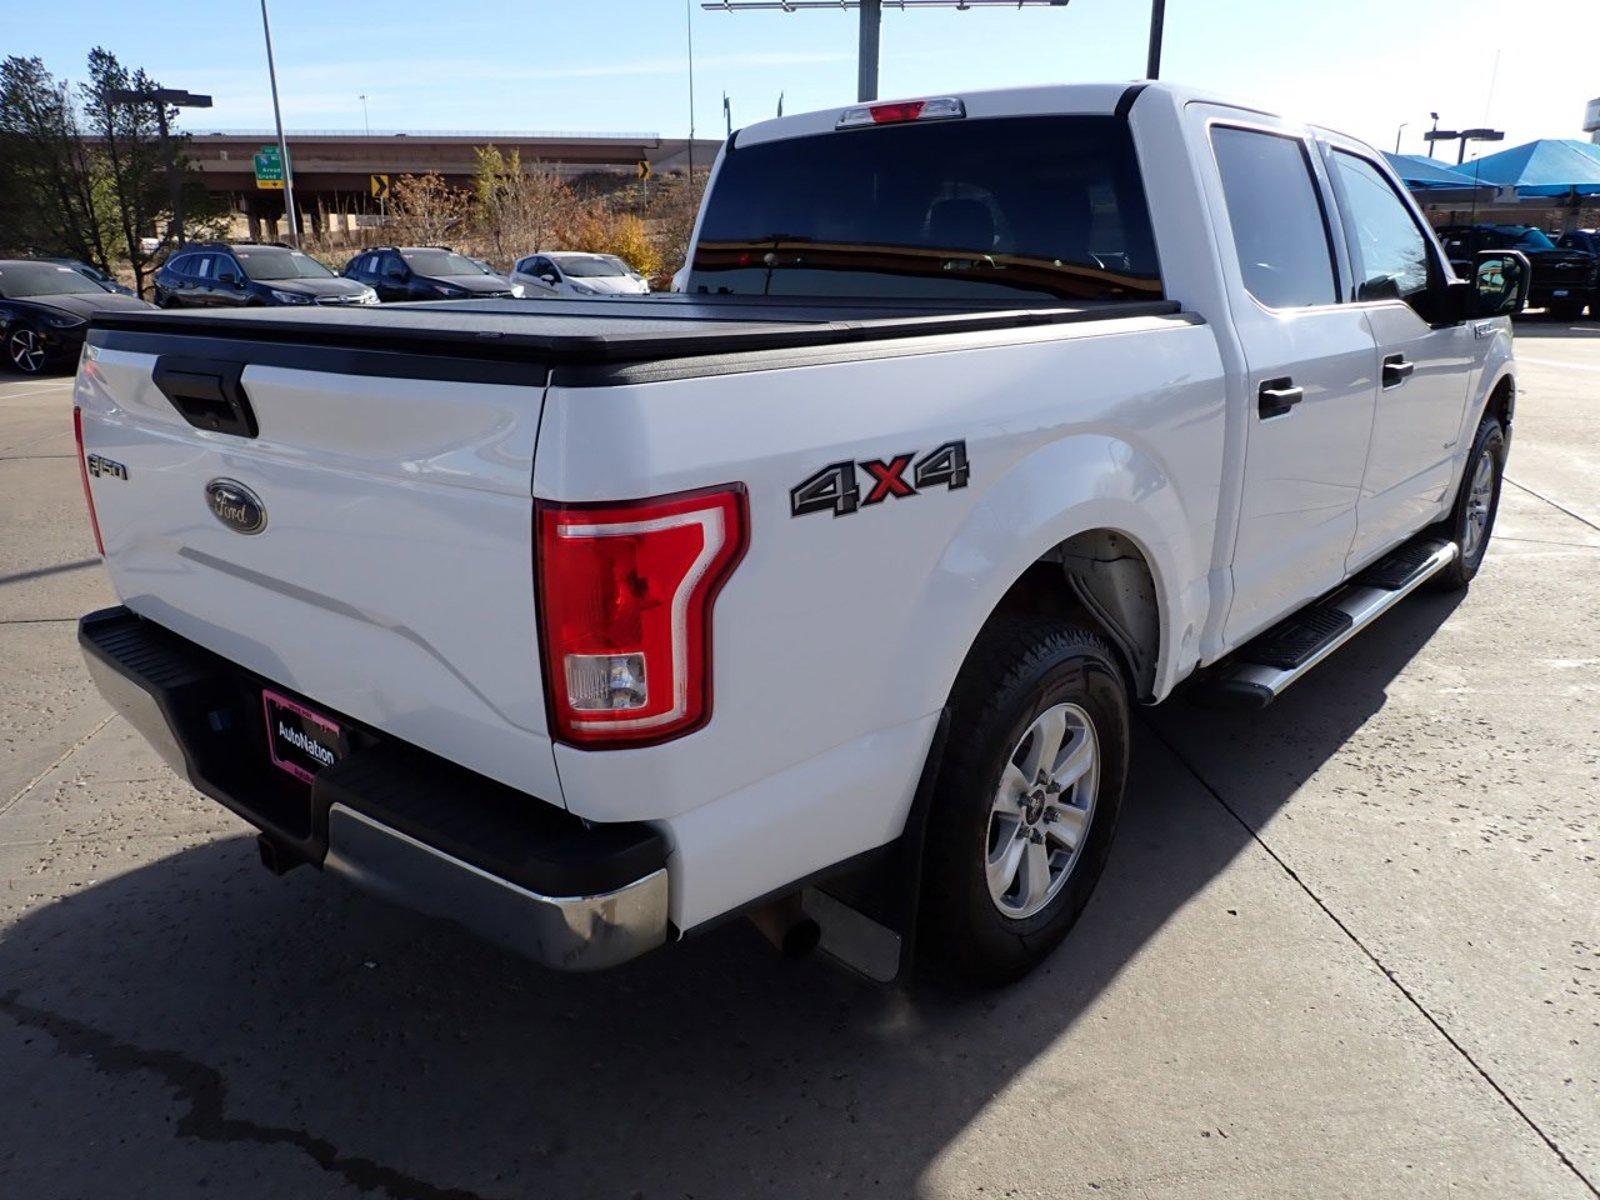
pixel 408 1060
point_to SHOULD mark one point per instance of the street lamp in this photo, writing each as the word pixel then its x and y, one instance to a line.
pixel 164 98
pixel 1397 134
pixel 366 121
pixel 1477 135
pixel 1462 137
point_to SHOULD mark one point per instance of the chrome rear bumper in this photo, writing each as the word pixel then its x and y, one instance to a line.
pixel 506 866
pixel 572 933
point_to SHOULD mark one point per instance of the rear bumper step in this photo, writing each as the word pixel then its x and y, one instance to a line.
pixel 1263 669
pixel 397 821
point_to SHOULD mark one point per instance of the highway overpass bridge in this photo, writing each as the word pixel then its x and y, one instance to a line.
pixel 334 170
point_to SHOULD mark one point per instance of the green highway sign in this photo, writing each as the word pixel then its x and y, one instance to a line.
pixel 269 167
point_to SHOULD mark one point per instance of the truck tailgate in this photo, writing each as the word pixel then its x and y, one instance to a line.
pixel 392 578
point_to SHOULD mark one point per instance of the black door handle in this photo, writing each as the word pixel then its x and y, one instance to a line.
pixel 1396 370
pixel 1277 396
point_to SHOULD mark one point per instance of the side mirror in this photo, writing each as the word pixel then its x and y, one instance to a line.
pixel 1500 280
pixel 398 273
pixel 228 277
pixel 550 279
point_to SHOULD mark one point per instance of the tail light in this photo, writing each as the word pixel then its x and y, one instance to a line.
pixel 625 596
pixel 83 473
pixel 898 112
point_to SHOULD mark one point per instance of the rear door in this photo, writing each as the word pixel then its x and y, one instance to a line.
pixel 393 278
pixel 1425 365
pixel 1311 366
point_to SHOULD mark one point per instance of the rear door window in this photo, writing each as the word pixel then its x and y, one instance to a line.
pixel 1005 209
pixel 1280 231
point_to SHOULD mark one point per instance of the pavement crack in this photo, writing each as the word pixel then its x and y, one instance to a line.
pixel 65 754
pixel 205 1091
pixel 1389 974
pixel 1553 504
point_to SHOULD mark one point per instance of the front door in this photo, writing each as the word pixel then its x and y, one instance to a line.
pixel 1425 369
pixel 1312 378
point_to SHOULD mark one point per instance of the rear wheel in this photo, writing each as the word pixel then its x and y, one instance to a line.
pixel 1471 521
pixel 25 349
pixel 1027 798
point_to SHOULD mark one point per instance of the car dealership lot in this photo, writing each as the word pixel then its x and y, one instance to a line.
pixel 1347 946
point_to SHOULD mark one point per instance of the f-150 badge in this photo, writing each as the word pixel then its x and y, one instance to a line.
pixel 837 488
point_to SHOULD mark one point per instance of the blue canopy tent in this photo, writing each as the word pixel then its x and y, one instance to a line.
pixel 1549 167
pixel 1422 174
pixel 1434 184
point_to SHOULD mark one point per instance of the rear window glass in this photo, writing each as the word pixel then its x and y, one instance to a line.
pixel 1013 208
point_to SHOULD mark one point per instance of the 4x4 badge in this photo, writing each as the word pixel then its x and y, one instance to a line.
pixel 836 487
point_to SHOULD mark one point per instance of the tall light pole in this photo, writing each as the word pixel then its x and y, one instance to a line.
pixel 867 57
pixel 1158 20
pixel 688 28
pixel 872 23
pixel 1397 134
pixel 164 98
pixel 366 120
pixel 283 145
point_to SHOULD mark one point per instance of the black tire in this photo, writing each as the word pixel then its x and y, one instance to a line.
pixel 1490 442
pixel 24 348
pixel 1020 668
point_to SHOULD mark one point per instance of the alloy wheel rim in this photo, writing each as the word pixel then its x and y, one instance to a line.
pixel 26 351
pixel 1480 498
pixel 1041 813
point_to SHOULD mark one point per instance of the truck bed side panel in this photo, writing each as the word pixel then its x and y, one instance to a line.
pixel 838 634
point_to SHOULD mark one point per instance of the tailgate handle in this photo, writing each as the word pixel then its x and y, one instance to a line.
pixel 208 393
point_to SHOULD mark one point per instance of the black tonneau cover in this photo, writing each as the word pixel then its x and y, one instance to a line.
pixel 604 330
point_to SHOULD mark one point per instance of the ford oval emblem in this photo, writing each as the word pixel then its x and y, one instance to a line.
pixel 236 506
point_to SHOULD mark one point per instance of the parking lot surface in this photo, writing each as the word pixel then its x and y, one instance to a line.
pixel 1348 946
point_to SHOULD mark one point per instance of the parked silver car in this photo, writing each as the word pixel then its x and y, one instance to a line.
pixel 577 273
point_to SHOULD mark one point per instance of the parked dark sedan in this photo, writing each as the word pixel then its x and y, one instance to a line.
pixel 240 274
pixel 426 273
pixel 92 272
pixel 1563 281
pixel 45 310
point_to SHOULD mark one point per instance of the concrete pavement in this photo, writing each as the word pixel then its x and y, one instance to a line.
pixel 1349 946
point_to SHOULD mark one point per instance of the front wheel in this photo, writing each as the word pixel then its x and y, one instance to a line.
pixel 1026 802
pixel 1471 521
pixel 25 349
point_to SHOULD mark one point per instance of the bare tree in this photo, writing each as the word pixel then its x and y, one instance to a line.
pixel 519 209
pixel 426 208
pixel 673 214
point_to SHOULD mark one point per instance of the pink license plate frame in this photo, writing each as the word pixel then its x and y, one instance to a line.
pixel 311 721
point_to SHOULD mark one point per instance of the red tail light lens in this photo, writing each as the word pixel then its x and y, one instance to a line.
pixel 83 473
pixel 898 112
pixel 625 597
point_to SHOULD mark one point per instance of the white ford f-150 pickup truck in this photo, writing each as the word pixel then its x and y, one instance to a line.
pixel 821 592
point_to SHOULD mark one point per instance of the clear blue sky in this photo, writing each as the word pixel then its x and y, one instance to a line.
pixel 1362 66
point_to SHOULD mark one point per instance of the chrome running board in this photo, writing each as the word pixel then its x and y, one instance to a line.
pixel 1263 669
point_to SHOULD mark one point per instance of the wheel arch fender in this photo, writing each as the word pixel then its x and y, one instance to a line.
pixel 1084 483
